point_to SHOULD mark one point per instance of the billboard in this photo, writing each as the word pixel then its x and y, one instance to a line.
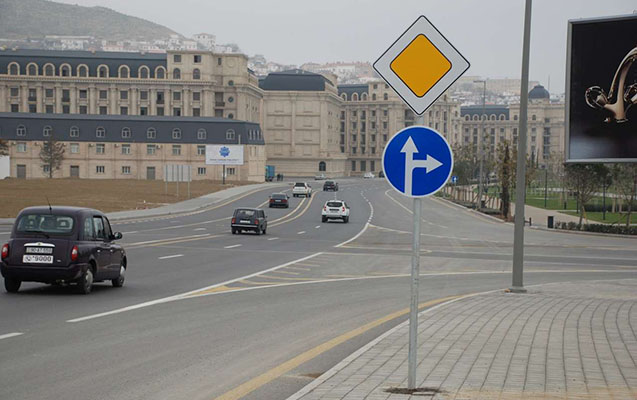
pixel 177 173
pixel 223 154
pixel 601 90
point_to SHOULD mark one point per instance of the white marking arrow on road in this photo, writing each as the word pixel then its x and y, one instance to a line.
pixel 429 163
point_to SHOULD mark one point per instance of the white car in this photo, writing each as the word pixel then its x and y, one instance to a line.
pixel 302 189
pixel 368 175
pixel 335 209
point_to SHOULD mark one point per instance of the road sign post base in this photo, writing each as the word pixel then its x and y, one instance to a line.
pixel 516 289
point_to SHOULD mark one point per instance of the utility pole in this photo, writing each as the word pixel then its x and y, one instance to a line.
pixel 480 138
pixel 520 189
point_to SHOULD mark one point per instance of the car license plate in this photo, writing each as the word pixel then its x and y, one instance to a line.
pixel 277 201
pixel 245 221
pixel 37 259
pixel 39 250
pixel 334 210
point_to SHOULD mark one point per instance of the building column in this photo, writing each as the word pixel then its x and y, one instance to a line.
pixel 24 96
pixel 40 98
pixel 92 100
pixel 74 108
pixel 112 90
pixel 152 93
pixel 58 98
pixel 3 98
pixel 207 103
pixel 185 100
pixel 133 108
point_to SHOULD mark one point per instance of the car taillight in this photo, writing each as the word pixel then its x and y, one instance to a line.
pixel 256 221
pixel 271 200
pixel 74 253
pixel 234 220
pixel 343 209
pixel 5 250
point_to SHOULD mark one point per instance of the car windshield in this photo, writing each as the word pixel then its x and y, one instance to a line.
pixel 279 196
pixel 334 204
pixel 329 182
pixel 245 214
pixel 50 224
pixel 299 184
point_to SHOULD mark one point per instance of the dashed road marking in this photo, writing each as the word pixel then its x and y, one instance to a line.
pixel 10 335
pixel 171 256
pixel 317 226
pixel 232 246
pixel 274 238
pixel 199 229
pixel 300 233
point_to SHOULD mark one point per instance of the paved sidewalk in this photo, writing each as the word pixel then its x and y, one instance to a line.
pixel 539 216
pixel 567 340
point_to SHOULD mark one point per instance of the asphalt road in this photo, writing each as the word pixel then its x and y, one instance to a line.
pixel 206 314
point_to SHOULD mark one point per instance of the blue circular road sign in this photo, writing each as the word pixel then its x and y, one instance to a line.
pixel 417 161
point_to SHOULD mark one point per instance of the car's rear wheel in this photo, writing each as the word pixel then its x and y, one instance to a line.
pixel 258 231
pixel 264 230
pixel 234 231
pixel 12 285
pixel 85 283
pixel 346 219
pixel 119 281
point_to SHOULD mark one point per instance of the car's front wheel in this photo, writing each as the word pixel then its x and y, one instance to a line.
pixel 85 283
pixel 12 285
pixel 119 281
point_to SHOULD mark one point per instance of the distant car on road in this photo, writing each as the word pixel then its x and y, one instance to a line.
pixel 330 185
pixel 368 175
pixel 62 245
pixel 249 219
pixel 301 189
pixel 381 174
pixel 335 209
pixel 320 177
pixel 279 200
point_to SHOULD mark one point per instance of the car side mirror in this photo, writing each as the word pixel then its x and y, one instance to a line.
pixel 116 236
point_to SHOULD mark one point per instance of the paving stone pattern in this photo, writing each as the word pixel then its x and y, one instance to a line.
pixel 575 341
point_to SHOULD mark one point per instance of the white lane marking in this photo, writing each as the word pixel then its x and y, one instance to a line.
pixel 199 229
pixel 317 226
pixel 300 233
pixel 369 220
pixel 168 239
pixel 10 335
pixel 183 295
pixel 4 233
pixel 128 233
pixel 172 256
pixel 274 238
pixel 232 247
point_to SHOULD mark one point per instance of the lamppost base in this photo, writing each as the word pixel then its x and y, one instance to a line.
pixel 516 289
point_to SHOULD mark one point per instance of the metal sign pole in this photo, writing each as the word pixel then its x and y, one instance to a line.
pixel 415 274
pixel 520 190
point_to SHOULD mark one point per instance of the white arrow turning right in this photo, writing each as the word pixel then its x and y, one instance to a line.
pixel 429 163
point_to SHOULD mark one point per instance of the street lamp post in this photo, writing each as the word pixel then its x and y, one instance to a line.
pixel 480 137
pixel 546 185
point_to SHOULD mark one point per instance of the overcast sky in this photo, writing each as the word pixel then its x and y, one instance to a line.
pixel 487 32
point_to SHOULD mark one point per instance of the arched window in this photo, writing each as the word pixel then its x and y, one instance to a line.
pixel 143 72
pixel 492 117
pixel 160 73
pixel 82 71
pixel 475 117
pixel 230 134
pixel 151 133
pixel 176 133
pixel 344 96
pixel 533 117
pixel 32 69
pixel 385 96
pixel 322 166
pixel 124 71
pixel 467 117
pixel 355 97
pixel 176 73
pixel 102 71
pixel 126 133
pixel 49 70
pixel 21 130
pixel 100 132
pixel 65 70
pixel 196 74
pixel 14 69
pixel 502 117
pixel 75 131
pixel 373 96
pixel 364 97
pixel 46 131
pixel 201 134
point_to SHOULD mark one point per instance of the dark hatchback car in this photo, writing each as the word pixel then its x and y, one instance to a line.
pixel 249 219
pixel 62 245
pixel 279 200
pixel 330 185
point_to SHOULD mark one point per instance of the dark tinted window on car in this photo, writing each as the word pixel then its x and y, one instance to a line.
pixel 329 182
pixel 334 204
pixel 279 196
pixel 47 223
pixel 100 233
pixel 299 184
pixel 245 214
pixel 88 229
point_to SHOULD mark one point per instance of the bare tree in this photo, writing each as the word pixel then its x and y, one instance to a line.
pixel 585 180
pixel 625 183
pixel 51 155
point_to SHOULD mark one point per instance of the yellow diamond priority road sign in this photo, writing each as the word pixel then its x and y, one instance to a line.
pixel 421 65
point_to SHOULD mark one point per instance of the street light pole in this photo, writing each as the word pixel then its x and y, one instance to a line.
pixel 480 137
pixel 546 184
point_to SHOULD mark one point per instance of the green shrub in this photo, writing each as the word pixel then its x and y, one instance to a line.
pixel 599 228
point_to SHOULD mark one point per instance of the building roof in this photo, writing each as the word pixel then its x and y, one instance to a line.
pixel 489 109
pixel 216 128
pixel 350 89
pixel 295 80
pixel 538 92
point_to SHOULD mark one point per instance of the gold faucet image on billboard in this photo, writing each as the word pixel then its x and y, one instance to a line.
pixel 620 97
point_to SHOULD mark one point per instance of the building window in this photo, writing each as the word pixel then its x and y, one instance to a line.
pixel 150 149
pixel 126 149
pixel 143 110
pixel 143 72
pixel 177 58
pixel 218 60
pixel 177 112
pixel 32 69
pixel 75 148
pixel 103 94
pixel 123 110
pixel 230 134
pixel 32 108
pixel 353 150
pixel 14 69
pixel 231 171
pixel 160 73
pixel 102 71
pixel 103 110
pixel 22 147
pixel 196 112
pixel 353 165
pixel 322 166
pixel 197 58
pixel 143 94
pixel 123 94
pixel 373 149
pixel 65 70
pixel 48 93
pixel 176 149
pixel 125 170
pixel 201 171
pixel 201 150
pixel 151 133
pixel 14 108
pixel 83 93
pixel 160 111
pixel 126 134
pixel 196 96
pixel 176 73
pixel 66 95
pixel 49 70
pixel 100 148
pixel 533 117
pixel 14 92
pixel 21 130
pixel 48 109
pixel 100 169
pixel 176 133
pixel 66 109
pixel 201 134
pixel 363 166
pixel 46 169
pixel 196 74
pixel 46 131
pixel 177 96
pixel 100 132
pixel 82 71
